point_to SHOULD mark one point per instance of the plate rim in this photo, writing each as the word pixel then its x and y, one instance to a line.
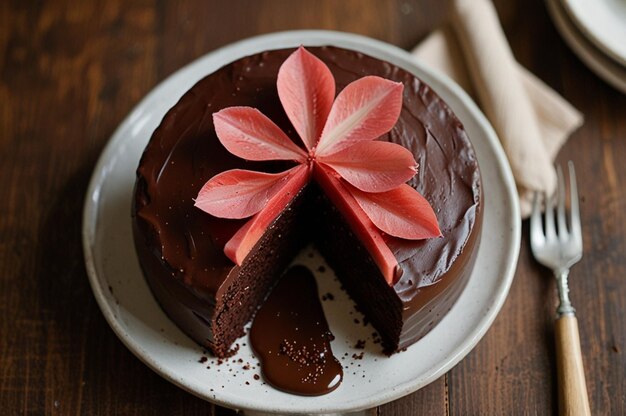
pixel 312 37
pixel 602 40
pixel 601 65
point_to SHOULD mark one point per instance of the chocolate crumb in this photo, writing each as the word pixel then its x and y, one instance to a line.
pixel 203 360
pixel 321 269
pixel 234 350
pixel 257 377
pixel 360 344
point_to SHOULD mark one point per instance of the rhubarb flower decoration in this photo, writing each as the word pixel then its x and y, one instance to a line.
pixel 364 178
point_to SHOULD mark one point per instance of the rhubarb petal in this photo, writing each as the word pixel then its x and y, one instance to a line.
pixel 402 212
pixel 366 109
pixel 359 223
pixel 240 193
pixel 238 247
pixel 306 89
pixel 249 134
pixel 373 166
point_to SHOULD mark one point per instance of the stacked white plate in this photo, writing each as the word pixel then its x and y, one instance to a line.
pixel 596 32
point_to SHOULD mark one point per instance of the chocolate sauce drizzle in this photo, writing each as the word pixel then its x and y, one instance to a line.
pixel 292 339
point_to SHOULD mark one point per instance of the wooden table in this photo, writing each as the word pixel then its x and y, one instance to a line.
pixel 71 71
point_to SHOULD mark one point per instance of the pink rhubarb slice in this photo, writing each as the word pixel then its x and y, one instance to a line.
pixel 306 89
pixel 239 193
pixel 402 212
pixel 373 166
pixel 249 134
pixel 364 110
pixel 359 222
pixel 238 247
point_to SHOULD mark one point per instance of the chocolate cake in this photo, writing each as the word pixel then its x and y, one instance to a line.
pixel 181 248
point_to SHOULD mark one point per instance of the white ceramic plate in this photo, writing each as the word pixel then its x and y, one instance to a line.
pixel 603 22
pixel 138 321
pixel 605 67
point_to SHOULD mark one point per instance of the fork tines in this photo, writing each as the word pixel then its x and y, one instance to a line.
pixel 565 236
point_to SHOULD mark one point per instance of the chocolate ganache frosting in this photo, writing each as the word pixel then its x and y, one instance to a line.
pixel 181 248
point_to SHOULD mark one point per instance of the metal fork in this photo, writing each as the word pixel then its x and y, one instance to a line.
pixel 559 248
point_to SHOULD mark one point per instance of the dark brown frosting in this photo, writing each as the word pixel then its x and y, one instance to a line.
pixel 184 153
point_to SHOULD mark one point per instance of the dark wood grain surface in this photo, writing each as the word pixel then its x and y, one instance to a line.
pixel 69 73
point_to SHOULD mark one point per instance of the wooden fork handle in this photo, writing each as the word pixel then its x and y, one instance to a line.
pixel 573 398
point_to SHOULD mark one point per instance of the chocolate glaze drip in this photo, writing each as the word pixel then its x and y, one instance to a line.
pixel 185 245
pixel 291 337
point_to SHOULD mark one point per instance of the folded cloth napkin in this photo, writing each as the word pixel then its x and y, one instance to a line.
pixel 531 120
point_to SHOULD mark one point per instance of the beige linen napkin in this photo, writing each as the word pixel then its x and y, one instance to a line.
pixel 531 120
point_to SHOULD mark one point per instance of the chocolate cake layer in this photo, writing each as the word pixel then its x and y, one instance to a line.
pixel 182 247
